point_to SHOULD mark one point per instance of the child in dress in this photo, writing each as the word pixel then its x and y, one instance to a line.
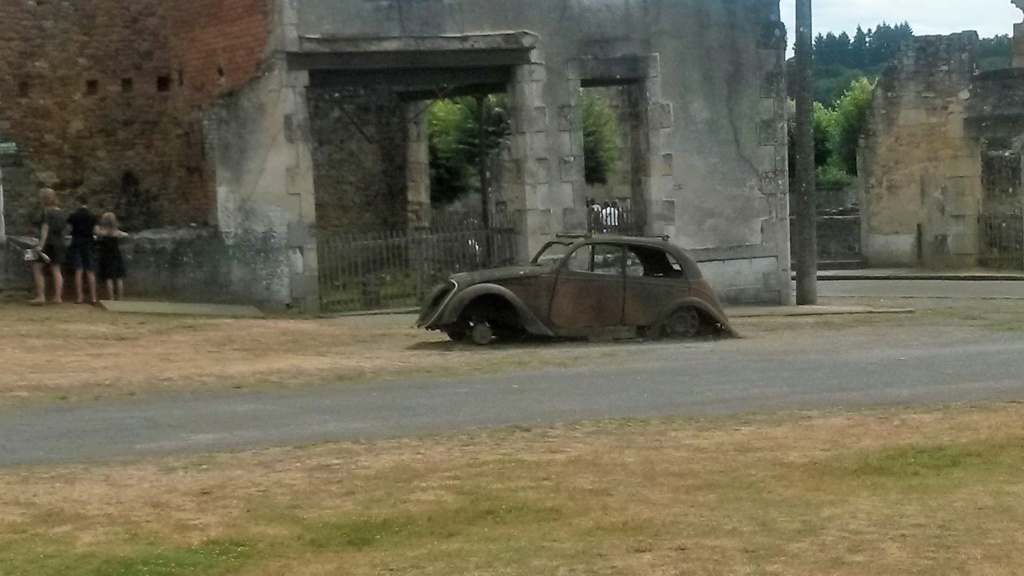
pixel 110 264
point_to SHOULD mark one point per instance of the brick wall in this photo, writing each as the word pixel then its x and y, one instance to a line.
pixel 217 45
pixel 106 96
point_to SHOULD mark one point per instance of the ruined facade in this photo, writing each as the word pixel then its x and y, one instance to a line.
pixel 920 170
pixel 940 161
pixel 273 121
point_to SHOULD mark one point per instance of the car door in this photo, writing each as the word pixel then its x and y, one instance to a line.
pixel 589 290
pixel 654 279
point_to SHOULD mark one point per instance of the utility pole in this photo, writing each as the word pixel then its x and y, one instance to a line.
pixel 805 234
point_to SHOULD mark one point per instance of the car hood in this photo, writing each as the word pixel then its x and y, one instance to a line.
pixel 495 274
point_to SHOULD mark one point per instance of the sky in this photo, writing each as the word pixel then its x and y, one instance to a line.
pixel 987 17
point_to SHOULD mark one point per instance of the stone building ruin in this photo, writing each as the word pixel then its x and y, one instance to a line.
pixel 940 161
pixel 245 128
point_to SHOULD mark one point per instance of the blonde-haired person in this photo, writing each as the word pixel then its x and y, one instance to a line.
pixel 110 263
pixel 51 223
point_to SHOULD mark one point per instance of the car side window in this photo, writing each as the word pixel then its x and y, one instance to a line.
pixel 652 263
pixel 596 258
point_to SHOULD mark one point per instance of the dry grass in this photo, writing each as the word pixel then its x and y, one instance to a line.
pixel 877 492
pixel 76 352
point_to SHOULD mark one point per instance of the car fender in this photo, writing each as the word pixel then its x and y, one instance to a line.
pixel 458 303
pixel 701 305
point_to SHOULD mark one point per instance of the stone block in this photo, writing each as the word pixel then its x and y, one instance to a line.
pixel 660 115
pixel 773 183
pixel 538 171
pixel 566 141
pixel 567 167
pixel 666 164
pixel 771 132
pixel 539 119
pixel 912 117
pixel 653 65
pixel 567 118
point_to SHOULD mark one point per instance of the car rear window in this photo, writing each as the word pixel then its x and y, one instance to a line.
pixel 652 263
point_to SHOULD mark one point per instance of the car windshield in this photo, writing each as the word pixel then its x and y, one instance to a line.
pixel 553 251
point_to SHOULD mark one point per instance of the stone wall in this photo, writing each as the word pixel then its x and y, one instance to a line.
pixel 360 180
pixel 920 171
pixel 709 154
pixel 106 97
pixel 194 264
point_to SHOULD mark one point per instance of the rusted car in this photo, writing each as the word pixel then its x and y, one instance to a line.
pixel 581 287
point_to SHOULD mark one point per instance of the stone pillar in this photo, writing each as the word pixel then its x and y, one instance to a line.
pixel 1018 39
pixel 302 242
pixel 773 156
pixel 657 173
pixel 531 184
pixel 418 165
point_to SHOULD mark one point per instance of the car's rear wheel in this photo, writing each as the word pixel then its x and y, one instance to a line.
pixel 481 333
pixel 683 322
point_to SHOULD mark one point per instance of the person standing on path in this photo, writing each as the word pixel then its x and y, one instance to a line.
pixel 111 263
pixel 51 223
pixel 80 253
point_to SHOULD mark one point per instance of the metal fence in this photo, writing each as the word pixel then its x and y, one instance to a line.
pixel 1001 240
pixel 625 221
pixel 395 268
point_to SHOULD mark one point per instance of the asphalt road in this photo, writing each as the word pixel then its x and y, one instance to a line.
pixel 842 369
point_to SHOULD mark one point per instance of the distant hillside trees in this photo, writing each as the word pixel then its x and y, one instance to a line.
pixel 845 69
pixel 841 59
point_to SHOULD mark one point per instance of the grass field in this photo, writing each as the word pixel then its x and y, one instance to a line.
pixel 933 492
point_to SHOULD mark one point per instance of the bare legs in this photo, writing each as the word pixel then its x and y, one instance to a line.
pixel 37 275
pixel 90 279
pixel 40 281
pixel 117 285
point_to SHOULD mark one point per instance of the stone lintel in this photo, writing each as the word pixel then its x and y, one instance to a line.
pixel 501 41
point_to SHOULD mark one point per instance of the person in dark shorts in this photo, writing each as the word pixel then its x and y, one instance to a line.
pixel 110 263
pixel 80 253
pixel 51 223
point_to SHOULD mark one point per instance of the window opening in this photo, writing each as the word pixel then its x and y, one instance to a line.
pixel 597 259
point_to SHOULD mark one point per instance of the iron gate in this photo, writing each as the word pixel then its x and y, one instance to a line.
pixel 394 269
pixel 1001 240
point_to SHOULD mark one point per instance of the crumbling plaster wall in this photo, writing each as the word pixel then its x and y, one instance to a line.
pixel 920 170
pixel 715 175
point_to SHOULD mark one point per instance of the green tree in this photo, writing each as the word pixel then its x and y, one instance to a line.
pixel 600 141
pixel 851 113
pixel 456 148
pixel 824 134
pixel 458 145
pixel 995 53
